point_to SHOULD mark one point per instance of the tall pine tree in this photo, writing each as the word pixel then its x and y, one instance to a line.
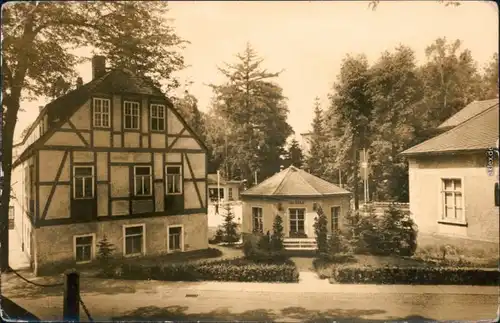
pixel 316 156
pixel 255 110
pixel 294 155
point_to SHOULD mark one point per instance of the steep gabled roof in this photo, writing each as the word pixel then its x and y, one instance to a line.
pixel 472 109
pixel 117 81
pixel 294 182
pixel 477 133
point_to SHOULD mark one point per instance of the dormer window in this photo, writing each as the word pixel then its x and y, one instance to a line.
pixel 157 117
pixel 101 113
pixel 131 115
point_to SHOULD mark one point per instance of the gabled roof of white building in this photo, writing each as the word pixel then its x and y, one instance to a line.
pixel 472 109
pixel 476 134
pixel 294 182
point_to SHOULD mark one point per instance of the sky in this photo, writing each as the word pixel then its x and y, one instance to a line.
pixel 308 40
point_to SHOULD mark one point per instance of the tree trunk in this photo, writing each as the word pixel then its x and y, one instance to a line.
pixel 7 143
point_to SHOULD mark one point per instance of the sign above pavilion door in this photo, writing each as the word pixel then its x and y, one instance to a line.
pixel 296 202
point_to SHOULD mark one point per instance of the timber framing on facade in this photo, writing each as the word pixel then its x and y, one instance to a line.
pixel 113 149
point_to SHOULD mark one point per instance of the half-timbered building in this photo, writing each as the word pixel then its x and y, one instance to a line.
pixel 111 158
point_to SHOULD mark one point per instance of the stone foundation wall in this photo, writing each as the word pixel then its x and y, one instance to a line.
pixel 55 244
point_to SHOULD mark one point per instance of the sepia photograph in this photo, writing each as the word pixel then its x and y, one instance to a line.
pixel 264 161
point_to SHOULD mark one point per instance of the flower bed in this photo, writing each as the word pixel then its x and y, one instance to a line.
pixel 415 275
pixel 237 269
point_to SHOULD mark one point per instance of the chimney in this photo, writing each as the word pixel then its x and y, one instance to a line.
pixel 79 82
pixel 98 66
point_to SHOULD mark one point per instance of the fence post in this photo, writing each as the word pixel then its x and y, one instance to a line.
pixel 71 302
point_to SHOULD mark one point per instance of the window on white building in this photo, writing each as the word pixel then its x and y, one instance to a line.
pixel 335 213
pixel 257 223
pixel 452 196
pixel 297 221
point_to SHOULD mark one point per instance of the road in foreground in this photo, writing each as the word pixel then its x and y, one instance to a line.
pixel 151 300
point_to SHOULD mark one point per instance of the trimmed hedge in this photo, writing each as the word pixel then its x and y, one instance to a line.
pixel 224 270
pixel 416 275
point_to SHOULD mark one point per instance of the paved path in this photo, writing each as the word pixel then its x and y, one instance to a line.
pixel 310 300
pixel 17 258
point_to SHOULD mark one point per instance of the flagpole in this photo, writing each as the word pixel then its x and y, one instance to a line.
pixel 218 189
pixel 364 173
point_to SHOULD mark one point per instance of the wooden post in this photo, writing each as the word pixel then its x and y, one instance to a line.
pixel 71 302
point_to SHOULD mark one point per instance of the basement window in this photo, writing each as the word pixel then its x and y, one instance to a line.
pixel 84 248
pixel 134 240
pixel 175 238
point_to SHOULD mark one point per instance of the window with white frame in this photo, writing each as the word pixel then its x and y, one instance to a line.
pixel 101 112
pixel 173 179
pixel 157 112
pixel 84 246
pixel 131 115
pixel 175 238
pixel 230 193
pixel 335 214
pixel 142 180
pixel 452 196
pixel 257 224
pixel 134 240
pixel 83 182
pixel 297 220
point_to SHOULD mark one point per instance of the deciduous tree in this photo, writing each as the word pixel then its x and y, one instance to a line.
pixel 395 91
pixel 450 79
pixel 350 112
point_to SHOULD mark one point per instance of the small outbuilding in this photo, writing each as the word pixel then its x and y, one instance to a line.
pixel 295 195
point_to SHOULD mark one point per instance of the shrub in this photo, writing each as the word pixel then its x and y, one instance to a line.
pixel 415 275
pixel 225 270
pixel 218 237
pixel 104 256
pixel 257 248
pixel 321 231
pixel 277 237
pixel 229 230
pixel 338 244
pixel 398 232
pixel 392 233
